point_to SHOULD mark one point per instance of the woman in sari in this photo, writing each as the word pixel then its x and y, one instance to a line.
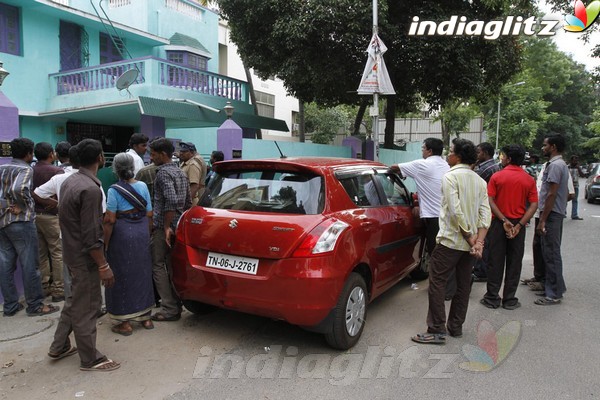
pixel 127 225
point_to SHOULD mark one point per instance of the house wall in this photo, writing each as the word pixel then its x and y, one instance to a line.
pixel 232 65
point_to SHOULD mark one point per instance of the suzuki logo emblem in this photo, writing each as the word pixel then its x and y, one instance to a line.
pixel 233 224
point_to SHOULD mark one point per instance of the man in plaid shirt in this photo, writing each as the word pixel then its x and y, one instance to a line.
pixel 171 198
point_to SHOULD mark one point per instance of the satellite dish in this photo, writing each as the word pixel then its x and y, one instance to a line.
pixel 127 79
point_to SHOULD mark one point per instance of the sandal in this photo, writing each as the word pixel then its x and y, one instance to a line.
pixel 147 324
pixel 536 286
pixel 547 301
pixel 160 317
pixel 67 353
pixel 19 308
pixel 430 338
pixel 528 281
pixel 50 309
pixel 121 330
pixel 105 366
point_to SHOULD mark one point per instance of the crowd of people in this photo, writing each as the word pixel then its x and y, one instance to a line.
pixel 474 210
pixel 120 237
pixel 485 206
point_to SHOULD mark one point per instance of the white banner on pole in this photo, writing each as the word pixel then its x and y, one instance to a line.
pixel 375 78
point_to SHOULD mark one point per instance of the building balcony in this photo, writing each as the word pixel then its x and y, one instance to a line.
pixel 159 78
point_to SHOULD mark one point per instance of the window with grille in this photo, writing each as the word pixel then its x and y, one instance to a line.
pixel 74 46
pixel 10 34
pixel 188 59
pixel 108 51
pixel 265 103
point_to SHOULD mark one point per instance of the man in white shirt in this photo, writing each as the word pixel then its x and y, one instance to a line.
pixel 427 174
pixel 139 144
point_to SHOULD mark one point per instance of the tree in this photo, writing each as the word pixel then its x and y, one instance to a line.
pixel 568 8
pixel 325 122
pixel 593 143
pixel 318 47
pixel 558 96
pixel 455 117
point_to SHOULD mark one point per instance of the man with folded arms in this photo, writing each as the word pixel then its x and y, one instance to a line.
pixel 464 221
pixel 510 191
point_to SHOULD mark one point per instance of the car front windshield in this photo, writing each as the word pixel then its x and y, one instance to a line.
pixel 266 191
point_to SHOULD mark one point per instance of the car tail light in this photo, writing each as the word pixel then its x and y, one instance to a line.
pixel 596 179
pixel 321 239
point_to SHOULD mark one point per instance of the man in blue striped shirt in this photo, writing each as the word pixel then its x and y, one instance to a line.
pixel 17 228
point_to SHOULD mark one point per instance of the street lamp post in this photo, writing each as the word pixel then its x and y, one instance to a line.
pixel 229 109
pixel 498 121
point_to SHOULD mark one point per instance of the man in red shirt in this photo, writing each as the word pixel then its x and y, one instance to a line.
pixel 513 199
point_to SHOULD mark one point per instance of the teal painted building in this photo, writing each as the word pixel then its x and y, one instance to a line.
pixel 108 68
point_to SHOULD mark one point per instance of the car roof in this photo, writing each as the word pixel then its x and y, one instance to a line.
pixel 313 163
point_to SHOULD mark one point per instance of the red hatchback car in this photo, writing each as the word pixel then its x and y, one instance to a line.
pixel 307 240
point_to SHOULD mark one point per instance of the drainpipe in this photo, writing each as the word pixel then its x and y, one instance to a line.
pixel 157 22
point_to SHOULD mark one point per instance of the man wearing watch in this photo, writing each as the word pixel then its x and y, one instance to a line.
pixel 513 199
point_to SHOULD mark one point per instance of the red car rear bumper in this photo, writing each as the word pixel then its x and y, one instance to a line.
pixel 301 291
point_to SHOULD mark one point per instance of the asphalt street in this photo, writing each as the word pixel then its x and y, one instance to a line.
pixel 532 352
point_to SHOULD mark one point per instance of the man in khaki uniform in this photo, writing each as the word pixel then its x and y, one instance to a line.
pixel 194 167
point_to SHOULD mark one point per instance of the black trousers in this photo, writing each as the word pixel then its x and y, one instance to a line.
pixel 432 227
pixel 443 263
pixel 506 262
pixel 539 268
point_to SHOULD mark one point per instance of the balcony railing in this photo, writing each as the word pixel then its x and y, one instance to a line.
pixel 96 78
pixel 153 71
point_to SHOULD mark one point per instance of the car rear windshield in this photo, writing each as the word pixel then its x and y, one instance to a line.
pixel 266 191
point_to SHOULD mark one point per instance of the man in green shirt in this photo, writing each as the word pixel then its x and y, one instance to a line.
pixel 464 220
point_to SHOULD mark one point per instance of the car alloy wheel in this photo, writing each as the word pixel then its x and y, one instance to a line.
pixel 349 314
pixel 355 311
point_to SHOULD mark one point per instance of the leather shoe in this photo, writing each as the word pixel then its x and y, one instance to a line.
pixel 479 278
pixel 577 218
pixel 56 299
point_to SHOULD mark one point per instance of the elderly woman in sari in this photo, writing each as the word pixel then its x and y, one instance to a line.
pixel 127 225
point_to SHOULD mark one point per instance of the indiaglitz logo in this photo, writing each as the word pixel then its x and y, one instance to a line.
pixel 492 346
pixel 584 16
pixel 489 30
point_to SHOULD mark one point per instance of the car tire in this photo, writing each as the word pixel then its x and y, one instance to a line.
pixel 349 314
pixel 421 272
pixel 590 200
pixel 198 308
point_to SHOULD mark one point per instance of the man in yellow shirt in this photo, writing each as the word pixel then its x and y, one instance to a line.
pixel 464 220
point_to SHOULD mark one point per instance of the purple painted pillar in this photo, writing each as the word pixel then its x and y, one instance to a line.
pixel 369 150
pixel 9 121
pixel 152 127
pixel 355 145
pixel 229 139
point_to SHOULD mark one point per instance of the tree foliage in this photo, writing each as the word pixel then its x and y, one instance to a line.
pixel 455 117
pixel 323 123
pixel 317 47
pixel 568 7
pixel 558 96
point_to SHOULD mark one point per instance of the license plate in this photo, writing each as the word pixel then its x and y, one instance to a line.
pixel 232 263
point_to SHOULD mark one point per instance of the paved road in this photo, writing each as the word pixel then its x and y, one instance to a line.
pixel 531 352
